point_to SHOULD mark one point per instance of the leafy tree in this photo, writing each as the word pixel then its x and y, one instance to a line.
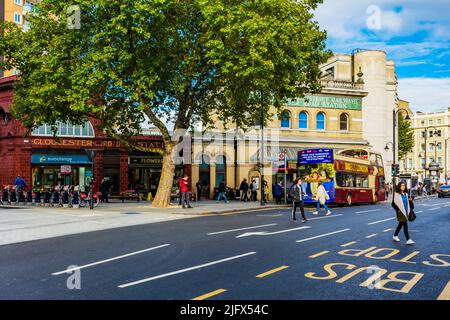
pixel 405 137
pixel 175 62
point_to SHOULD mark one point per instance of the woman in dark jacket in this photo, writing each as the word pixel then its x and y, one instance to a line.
pixel 402 205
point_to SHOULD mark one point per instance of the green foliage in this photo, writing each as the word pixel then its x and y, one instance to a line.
pixel 405 136
pixel 165 60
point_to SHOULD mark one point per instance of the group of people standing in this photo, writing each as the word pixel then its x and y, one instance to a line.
pixel 253 187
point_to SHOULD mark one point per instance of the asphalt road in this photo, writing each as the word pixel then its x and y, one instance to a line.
pixel 347 255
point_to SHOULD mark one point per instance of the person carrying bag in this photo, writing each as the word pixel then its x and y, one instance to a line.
pixel 404 208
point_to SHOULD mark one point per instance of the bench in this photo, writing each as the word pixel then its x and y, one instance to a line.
pixel 128 195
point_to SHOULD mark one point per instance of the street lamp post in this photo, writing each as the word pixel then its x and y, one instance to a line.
pixel 445 170
pixel 262 149
pixel 426 147
pixel 91 155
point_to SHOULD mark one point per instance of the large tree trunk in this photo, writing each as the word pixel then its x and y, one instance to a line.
pixel 162 197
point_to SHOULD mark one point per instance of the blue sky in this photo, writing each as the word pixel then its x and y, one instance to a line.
pixel 414 33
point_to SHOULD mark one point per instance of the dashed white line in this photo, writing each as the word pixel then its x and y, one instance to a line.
pixel 322 235
pixel 111 259
pixel 326 217
pixel 434 209
pixel 366 211
pixel 380 221
pixel 240 229
pixel 184 270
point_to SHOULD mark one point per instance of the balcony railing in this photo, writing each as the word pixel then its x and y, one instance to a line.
pixel 342 84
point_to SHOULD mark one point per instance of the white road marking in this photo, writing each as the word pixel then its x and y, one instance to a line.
pixel 322 235
pixel 368 211
pixel 269 215
pixel 184 270
pixel 419 211
pixel 108 260
pixel 380 221
pixel 371 236
pixel 233 230
pixel 265 233
pixel 434 209
pixel 437 204
pixel 387 230
pixel 326 217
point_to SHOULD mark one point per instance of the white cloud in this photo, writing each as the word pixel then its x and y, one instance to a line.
pixel 347 19
pixel 425 94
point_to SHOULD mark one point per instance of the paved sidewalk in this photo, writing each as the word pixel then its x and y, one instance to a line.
pixel 27 223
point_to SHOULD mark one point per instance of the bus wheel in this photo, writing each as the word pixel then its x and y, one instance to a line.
pixel 349 200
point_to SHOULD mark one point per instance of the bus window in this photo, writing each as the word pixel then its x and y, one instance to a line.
pixel 350 180
pixel 362 182
pixel 373 159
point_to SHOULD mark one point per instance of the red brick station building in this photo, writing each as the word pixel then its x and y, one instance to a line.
pixel 43 160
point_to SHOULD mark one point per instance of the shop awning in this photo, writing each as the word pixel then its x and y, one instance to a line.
pixel 59 159
pixel 273 153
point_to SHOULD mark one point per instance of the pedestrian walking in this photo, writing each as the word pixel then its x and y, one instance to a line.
pixel 254 190
pixel 244 190
pixel 297 195
pixel 321 198
pixel 221 191
pixel 277 192
pixel 198 185
pixel 184 189
pixel 266 192
pixel 403 206
pixel 19 183
pixel 386 189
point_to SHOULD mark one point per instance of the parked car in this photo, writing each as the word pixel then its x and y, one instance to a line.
pixel 443 191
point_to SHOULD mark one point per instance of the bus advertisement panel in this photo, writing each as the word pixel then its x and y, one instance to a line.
pixel 348 175
pixel 314 166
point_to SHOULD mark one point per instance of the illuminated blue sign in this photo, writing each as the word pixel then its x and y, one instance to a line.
pixel 312 156
pixel 59 159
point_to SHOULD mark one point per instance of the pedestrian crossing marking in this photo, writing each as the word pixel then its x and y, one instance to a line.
pixel 210 294
pixel 445 294
pixel 387 230
pixel 262 275
pixel 348 244
pixel 371 236
pixel 319 254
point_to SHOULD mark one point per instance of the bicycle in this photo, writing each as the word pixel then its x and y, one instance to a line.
pixel 85 199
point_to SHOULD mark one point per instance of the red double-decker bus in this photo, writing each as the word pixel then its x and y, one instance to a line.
pixel 349 176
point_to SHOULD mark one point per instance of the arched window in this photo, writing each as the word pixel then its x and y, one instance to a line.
pixel 343 122
pixel 66 129
pixel 320 121
pixel 285 119
pixel 303 120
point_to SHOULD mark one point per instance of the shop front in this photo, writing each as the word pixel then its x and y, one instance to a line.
pixel 145 171
pixel 65 168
